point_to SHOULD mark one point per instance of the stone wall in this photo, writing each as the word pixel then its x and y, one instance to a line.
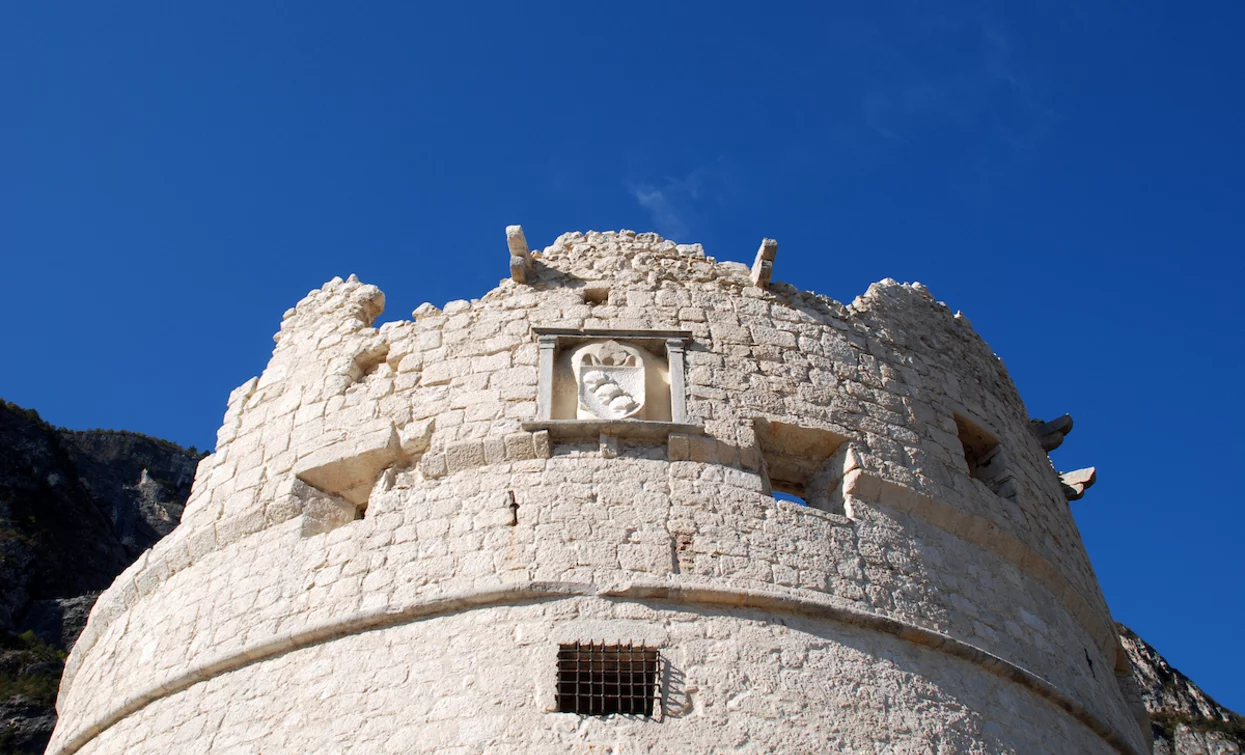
pixel 480 680
pixel 374 484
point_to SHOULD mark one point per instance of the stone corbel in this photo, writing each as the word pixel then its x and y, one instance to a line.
pixel 763 267
pixel 1076 482
pixel 520 256
pixel 1051 434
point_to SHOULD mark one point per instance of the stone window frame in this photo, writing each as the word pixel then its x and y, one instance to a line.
pixel 672 343
pixel 804 461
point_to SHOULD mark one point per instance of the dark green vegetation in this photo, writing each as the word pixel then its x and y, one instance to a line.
pixel 29 667
pixel 1165 725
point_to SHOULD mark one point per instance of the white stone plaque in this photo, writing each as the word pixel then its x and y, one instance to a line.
pixel 610 379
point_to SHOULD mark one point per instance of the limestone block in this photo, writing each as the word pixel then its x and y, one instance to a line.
pixel 520 257
pixel 519 446
pixel 425 311
pixel 494 450
pixel 541 444
pixel 321 511
pixel 1075 483
pixel 763 267
pixel 433 465
pixel 678 447
pixel 416 436
pixel 349 468
pixel 464 455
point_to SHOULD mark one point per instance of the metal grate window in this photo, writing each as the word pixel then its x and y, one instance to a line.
pixel 600 680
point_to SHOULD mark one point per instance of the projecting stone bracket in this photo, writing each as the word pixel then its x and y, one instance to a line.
pixel 349 468
pixel 1051 434
pixel 520 256
pixel 763 267
pixel 1075 483
pixel 332 485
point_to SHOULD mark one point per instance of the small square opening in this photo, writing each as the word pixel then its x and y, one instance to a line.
pixel 800 465
pixel 984 457
pixel 603 680
pixel 594 296
pixel 978 446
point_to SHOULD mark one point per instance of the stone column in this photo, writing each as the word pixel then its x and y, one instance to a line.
pixel 544 396
pixel 678 397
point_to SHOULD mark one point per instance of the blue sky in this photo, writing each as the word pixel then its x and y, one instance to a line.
pixel 172 178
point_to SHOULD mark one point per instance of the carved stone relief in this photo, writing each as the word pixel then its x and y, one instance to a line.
pixel 610 379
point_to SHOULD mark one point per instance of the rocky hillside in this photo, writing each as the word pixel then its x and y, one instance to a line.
pixel 75 509
pixel 1186 721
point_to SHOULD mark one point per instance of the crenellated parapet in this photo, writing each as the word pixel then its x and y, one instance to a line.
pixel 624 435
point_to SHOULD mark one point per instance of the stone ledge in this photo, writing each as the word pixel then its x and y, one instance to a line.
pixel 623 429
pixel 574 335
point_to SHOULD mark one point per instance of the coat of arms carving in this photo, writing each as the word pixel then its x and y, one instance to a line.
pixel 610 378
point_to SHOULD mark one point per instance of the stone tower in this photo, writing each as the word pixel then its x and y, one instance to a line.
pixel 633 500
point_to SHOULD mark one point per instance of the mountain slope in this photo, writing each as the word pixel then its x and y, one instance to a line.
pixel 76 508
pixel 1186 721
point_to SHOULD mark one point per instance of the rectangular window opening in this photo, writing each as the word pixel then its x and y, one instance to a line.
pixel 602 680
pixel 801 465
pixel 984 457
pixel 595 296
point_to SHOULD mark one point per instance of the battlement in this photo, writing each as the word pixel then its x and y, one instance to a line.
pixel 608 429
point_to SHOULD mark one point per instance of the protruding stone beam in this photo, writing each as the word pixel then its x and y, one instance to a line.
pixel 348 469
pixel 1075 483
pixel 520 257
pixel 763 267
pixel 1051 434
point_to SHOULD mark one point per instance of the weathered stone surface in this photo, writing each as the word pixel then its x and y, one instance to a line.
pixel 913 608
pixel 349 467
pixel 1186 720
pixel 520 257
pixel 763 266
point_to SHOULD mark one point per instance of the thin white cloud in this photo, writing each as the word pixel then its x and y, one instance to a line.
pixel 673 204
pixel 666 219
